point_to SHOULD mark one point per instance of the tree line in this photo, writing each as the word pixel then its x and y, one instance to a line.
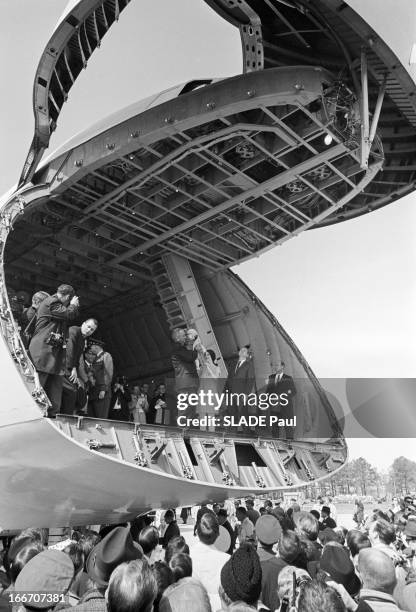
pixel 358 477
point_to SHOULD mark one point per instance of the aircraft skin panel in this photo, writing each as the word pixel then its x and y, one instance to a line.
pixel 76 36
pixel 49 479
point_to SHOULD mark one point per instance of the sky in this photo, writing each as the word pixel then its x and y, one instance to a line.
pixel 346 294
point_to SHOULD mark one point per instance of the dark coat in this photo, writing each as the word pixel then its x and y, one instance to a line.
pixel 123 398
pixel 241 379
pixel 74 348
pixel 284 385
pixel 52 316
pixel 183 363
pixel 172 531
pixel 271 566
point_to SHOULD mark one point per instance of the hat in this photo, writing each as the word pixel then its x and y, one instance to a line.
pixel 51 571
pixel 326 509
pixel 241 575
pixel 268 529
pixel 336 561
pixel 115 548
pixel 327 535
pixel 410 528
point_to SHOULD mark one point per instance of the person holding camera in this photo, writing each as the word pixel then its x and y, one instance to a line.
pixel 119 406
pixel 48 344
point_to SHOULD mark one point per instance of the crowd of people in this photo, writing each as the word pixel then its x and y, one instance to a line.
pixel 270 559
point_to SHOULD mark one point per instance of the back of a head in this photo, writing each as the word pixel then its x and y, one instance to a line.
pixel 187 594
pixel 285 580
pixel 356 540
pixel 23 556
pixel 148 539
pixel 385 531
pixel 66 290
pixel 87 543
pixel 181 566
pixel 76 554
pixel 376 570
pixel 208 528
pixel 307 525
pixel 164 578
pixel 319 597
pixel 289 546
pixel 132 588
pixel 176 545
pixel 39 296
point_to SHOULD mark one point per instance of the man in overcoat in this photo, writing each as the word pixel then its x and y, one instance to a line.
pixel 48 344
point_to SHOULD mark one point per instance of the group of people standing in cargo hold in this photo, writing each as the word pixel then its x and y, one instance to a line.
pixel 75 371
pixel 71 370
pixel 196 369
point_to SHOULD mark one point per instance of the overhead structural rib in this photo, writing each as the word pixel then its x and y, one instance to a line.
pixel 78 33
pixel 330 34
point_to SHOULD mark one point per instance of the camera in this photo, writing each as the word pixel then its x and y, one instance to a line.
pixel 56 339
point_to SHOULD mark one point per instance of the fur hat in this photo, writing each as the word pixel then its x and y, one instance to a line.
pixel 241 575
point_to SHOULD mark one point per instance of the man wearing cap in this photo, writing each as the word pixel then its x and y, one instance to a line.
pixel 115 548
pixel 49 573
pixel 241 578
pixel 47 346
pixel 326 520
pixel 268 532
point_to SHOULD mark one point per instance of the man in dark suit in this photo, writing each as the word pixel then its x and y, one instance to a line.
pixel 75 347
pixel 48 344
pixel 172 529
pixel 281 383
pixel 184 367
pixel 241 381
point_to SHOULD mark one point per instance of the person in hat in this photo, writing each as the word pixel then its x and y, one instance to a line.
pixel 115 548
pixel 223 521
pixel 268 532
pixel 206 559
pixel 132 586
pixel 378 581
pixel 326 519
pixel 241 577
pixel 49 572
pixel 335 562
